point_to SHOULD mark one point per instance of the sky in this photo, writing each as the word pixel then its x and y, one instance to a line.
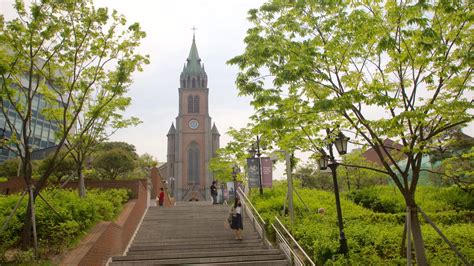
pixel 221 28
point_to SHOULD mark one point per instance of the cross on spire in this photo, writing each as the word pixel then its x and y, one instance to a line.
pixel 194 30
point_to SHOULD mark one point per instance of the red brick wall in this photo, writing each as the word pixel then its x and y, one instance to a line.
pixel 13 185
pixel 108 239
pixel 157 183
pixel 17 184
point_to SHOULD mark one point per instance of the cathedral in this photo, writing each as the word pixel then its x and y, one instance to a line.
pixel 194 140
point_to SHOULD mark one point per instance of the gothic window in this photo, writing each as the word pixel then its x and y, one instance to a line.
pixel 188 82
pixel 193 164
pixel 196 104
pixel 190 104
pixel 182 83
pixel 194 83
pixel 202 83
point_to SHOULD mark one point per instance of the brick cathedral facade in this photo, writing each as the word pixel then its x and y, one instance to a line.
pixel 194 140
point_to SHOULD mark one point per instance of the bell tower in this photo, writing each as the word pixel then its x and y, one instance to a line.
pixel 194 140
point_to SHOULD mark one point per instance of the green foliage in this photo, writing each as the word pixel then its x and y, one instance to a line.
pixel 9 168
pixel 379 199
pixel 75 216
pixel 113 163
pixel 453 158
pixel 65 167
pixel 381 69
pixel 68 53
pixel 374 238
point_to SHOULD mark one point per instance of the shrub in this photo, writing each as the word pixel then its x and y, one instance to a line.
pixel 374 225
pixel 70 219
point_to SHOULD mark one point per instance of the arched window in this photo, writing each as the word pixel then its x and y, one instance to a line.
pixel 196 104
pixel 194 83
pixel 182 83
pixel 193 164
pixel 188 82
pixel 202 83
pixel 190 104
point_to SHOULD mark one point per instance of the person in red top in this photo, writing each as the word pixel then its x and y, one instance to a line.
pixel 161 197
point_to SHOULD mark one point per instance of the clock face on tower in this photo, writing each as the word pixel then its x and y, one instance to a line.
pixel 193 124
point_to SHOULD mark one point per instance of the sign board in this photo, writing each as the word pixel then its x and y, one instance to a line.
pixel 253 172
pixel 267 166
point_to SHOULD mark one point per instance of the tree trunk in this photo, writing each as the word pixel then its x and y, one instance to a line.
pixel 416 233
pixel 404 238
pixel 82 186
pixel 27 222
pixel 27 228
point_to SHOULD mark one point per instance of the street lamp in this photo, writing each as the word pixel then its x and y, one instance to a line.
pixel 341 145
pixel 235 172
pixel 257 152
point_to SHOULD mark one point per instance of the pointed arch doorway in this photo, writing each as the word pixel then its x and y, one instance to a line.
pixel 193 164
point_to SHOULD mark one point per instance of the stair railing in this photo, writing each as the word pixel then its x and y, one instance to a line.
pixel 292 250
pixel 286 242
pixel 257 220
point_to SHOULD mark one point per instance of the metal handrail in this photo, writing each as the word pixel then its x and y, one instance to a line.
pixel 293 244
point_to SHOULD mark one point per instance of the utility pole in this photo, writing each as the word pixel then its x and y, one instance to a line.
pixel 290 187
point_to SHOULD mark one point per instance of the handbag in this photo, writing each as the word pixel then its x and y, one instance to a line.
pixel 229 219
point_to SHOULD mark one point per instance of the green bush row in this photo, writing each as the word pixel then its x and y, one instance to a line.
pixel 373 237
pixel 63 226
pixel 388 199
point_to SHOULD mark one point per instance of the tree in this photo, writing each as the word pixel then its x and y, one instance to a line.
pixel 147 160
pixel 62 168
pixel 361 177
pixel 63 51
pixel 100 119
pixel 114 163
pixel 384 69
pixel 452 160
pixel 234 153
pixel 313 178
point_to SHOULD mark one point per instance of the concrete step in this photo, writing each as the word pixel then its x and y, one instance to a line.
pixel 184 241
pixel 195 234
pixel 180 249
pixel 255 259
pixel 200 254
pixel 243 263
pixel 192 234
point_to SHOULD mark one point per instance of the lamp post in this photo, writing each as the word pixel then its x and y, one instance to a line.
pixel 257 152
pixel 235 172
pixel 172 186
pixel 341 146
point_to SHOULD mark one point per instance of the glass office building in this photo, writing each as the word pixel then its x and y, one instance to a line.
pixel 42 130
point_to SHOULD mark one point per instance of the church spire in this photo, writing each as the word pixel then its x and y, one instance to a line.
pixel 193 76
pixel 193 63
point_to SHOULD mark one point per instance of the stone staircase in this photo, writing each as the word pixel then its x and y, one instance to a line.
pixel 194 233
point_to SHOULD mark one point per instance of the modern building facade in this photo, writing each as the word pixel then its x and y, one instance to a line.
pixel 194 140
pixel 42 130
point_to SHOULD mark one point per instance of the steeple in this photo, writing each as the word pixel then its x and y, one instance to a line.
pixel 214 130
pixel 193 76
pixel 172 130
